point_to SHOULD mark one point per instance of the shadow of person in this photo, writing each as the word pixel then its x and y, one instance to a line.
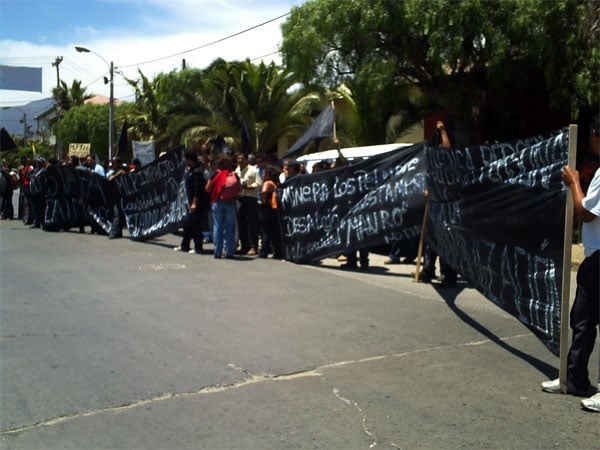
pixel 450 295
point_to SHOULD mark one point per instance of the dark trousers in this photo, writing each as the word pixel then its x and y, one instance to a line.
pixel 25 206
pixel 363 257
pixel 429 257
pixel 248 223
pixel 584 320
pixel 270 233
pixel 408 249
pixel 118 220
pixel 37 209
pixel 192 230
pixel 8 210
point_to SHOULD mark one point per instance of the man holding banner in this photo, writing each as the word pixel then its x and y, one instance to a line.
pixel 197 201
pixel 585 311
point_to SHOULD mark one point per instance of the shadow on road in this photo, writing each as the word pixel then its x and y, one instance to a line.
pixel 450 295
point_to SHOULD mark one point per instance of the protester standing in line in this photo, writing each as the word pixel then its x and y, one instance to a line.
pixel 585 311
pixel 197 201
pixel 117 169
pixel 9 184
pixel 248 202
pixel 270 232
pixel 290 168
pixel 440 139
pixel 90 164
pixel 24 209
pixel 223 209
pixel 94 167
pixel 36 191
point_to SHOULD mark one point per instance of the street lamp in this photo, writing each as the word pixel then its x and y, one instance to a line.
pixel 24 119
pixel 111 106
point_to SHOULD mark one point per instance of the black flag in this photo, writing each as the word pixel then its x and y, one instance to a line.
pixel 246 141
pixel 6 142
pixel 122 145
pixel 321 127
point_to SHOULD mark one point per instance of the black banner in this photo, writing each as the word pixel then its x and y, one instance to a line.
pixel 63 199
pixel 98 197
pixel 497 217
pixel 71 197
pixel 371 203
pixel 153 198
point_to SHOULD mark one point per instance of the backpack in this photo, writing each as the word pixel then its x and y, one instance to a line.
pixel 231 189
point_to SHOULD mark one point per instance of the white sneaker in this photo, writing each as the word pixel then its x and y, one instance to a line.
pixel 194 252
pixel 592 403
pixel 178 249
pixel 552 386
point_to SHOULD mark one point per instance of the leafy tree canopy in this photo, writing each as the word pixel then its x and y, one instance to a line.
pixel 463 55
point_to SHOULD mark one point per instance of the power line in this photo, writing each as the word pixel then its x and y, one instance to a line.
pixel 207 45
pixel 264 56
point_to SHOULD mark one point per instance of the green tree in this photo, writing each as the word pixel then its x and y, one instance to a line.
pixel 86 123
pixel 194 105
pixel 145 116
pixel 469 57
pixel 67 97
pixel 266 97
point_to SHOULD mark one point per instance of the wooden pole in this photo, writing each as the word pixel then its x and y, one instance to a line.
pixel 566 273
pixel 421 240
pixel 334 129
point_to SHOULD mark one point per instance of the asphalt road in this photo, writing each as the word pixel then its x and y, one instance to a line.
pixel 116 344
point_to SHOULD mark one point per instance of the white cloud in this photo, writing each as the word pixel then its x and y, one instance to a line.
pixel 185 25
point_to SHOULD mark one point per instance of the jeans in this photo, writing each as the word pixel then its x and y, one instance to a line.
pixel 224 217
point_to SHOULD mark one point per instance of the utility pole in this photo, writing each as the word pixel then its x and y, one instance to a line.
pixel 56 63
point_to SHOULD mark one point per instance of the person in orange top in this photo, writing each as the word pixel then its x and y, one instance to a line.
pixel 270 232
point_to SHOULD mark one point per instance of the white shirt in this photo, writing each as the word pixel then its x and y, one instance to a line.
pixel 590 231
pixel 249 177
pixel 99 170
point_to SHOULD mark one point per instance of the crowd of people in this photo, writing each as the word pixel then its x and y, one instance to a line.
pixel 232 204
pixel 242 223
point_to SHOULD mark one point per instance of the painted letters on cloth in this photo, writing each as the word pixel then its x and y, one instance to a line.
pixel 154 199
pixel 72 196
pixel 63 199
pixel 98 198
pixel 144 151
pixel 497 217
pixel 371 203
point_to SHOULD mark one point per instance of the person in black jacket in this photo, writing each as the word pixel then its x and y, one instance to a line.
pixel 198 201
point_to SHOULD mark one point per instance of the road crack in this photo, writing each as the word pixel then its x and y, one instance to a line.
pixel 248 380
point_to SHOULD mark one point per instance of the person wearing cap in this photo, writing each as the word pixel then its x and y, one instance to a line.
pixel 586 306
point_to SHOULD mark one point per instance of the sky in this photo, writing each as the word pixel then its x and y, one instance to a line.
pixel 153 36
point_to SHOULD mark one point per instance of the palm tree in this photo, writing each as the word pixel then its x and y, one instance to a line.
pixel 193 105
pixel 66 97
pixel 145 116
pixel 264 97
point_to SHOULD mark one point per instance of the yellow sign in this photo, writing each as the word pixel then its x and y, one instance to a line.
pixel 80 150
